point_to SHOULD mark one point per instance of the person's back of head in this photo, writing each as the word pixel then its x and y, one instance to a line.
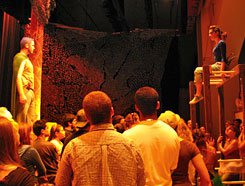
pixel 146 99
pixel 237 122
pixel 119 127
pixel 38 126
pixel 201 143
pixel 80 119
pixel 98 107
pixel 8 142
pixel 117 119
pixel 25 133
pixel 131 120
pixel 5 113
pixel 170 118
pixel 183 131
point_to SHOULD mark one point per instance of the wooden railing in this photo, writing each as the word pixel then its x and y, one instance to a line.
pixel 232 166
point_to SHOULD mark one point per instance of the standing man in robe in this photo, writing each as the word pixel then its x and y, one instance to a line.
pixel 22 103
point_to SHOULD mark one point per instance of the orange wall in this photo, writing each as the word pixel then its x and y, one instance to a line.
pixel 230 16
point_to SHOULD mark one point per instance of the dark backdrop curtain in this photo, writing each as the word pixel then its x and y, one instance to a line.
pixel 9 47
pixel 171 80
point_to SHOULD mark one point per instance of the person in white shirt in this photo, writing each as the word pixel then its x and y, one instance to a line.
pixel 158 142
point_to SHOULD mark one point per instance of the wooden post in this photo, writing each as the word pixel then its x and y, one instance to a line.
pixel 207 99
pixel 221 109
pixel 193 115
pixel 242 88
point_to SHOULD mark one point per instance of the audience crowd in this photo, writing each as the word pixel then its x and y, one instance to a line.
pixel 98 147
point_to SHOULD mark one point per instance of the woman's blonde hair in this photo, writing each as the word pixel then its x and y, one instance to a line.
pixel 183 131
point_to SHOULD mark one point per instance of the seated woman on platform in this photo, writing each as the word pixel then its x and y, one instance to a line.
pixel 11 172
pixel 219 53
pixel 188 152
pixel 29 155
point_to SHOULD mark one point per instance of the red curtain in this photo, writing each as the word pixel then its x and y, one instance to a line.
pixel 9 47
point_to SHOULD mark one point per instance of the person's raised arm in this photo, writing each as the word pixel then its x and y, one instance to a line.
pixel 229 148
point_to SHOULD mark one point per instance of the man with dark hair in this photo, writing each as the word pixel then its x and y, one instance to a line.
pixel 46 150
pixel 159 143
pixel 237 122
pixel 82 126
pixel 68 124
pixel 102 156
pixel 22 102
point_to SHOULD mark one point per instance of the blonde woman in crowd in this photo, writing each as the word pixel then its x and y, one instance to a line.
pixel 188 152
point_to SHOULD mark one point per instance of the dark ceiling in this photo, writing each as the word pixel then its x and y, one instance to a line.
pixel 20 9
pixel 91 14
pixel 97 15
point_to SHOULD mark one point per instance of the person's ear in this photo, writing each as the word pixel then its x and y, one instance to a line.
pixel 112 111
pixel 86 116
pixel 26 45
pixel 56 133
pixel 42 131
pixel 158 105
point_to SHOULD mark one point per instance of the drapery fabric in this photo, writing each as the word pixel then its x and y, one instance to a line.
pixel 9 47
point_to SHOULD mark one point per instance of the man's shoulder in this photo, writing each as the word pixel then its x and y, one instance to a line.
pixel 110 137
pixel 157 129
pixel 39 144
pixel 90 141
pixel 134 130
pixel 20 56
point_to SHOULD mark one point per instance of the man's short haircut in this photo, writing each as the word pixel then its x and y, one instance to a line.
pixel 146 100
pixel 68 118
pixel 38 126
pixel 97 106
pixel 238 120
pixel 25 40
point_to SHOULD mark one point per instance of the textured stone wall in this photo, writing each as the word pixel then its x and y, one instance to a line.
pixel 77 61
